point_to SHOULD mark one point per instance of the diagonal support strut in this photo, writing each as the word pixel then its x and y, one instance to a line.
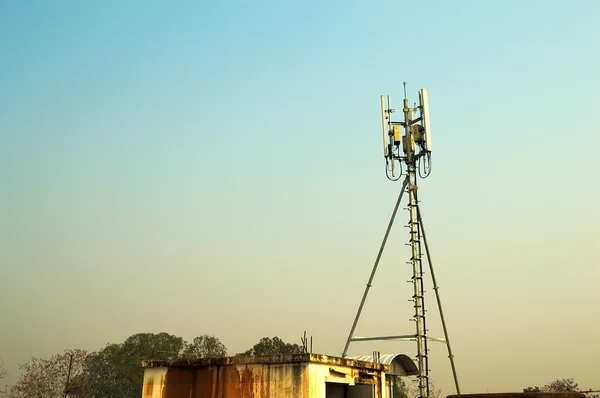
pixel 369 284
pixel 439 300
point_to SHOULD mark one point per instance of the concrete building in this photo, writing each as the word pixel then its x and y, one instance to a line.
pixel 280 376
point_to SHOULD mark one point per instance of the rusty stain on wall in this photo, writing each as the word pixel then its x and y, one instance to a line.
pixel 233 382
pixel 247 384
pixel 149 387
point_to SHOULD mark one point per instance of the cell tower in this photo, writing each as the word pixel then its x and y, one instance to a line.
pixel 408 155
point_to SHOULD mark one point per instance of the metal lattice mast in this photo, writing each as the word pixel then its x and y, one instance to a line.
pixel 415 259
pixel 411 150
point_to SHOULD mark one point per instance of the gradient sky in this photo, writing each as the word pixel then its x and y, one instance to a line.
pixel 216 168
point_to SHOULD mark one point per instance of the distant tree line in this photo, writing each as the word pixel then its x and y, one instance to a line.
pixel 114 371
pixel 559 385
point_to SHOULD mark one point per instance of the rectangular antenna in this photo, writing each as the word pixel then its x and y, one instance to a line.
pixel 425 117
pixel 383 123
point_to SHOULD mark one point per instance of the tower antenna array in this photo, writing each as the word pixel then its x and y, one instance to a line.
pixel 408 155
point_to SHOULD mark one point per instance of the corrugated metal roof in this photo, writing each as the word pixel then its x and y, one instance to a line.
pixel 404 361
pixel 385 359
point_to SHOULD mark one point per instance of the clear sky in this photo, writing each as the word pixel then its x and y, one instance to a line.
pixel 216 168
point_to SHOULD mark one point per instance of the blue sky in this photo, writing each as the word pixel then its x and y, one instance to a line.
pixel 216 168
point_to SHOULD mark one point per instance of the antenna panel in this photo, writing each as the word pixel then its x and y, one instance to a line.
pixel 424 104
pixel 383 123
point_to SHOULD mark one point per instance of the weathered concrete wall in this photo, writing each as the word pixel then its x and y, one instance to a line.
pixel 154 380
pixel 228 381
pixel 300 376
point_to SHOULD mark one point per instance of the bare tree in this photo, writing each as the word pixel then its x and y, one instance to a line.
pixel 47 377
pixel 564 385
pixel 409 388
pixel 3 371
pixel 561 385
